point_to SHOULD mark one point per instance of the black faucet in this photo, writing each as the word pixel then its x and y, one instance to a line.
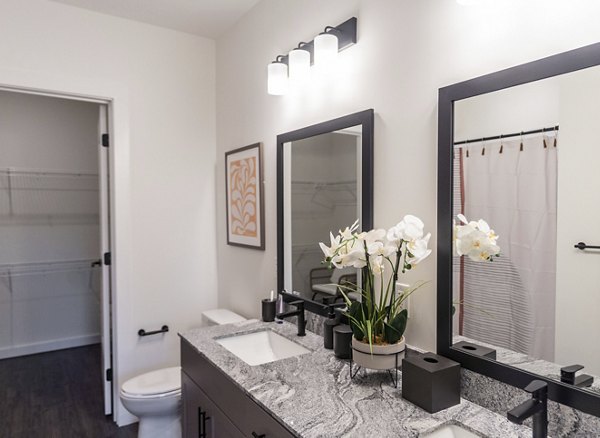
pixel 567 375
pixel 536 407
pixel 299 312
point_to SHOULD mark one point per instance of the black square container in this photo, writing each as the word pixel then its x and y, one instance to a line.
pixel 477 350
pixel 431 382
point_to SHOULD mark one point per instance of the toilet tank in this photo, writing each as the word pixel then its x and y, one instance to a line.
pixel 222 316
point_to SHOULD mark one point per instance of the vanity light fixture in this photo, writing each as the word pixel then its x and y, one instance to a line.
pixel 277 81
pixel 326 47
pixel 321 51
pixel 299 63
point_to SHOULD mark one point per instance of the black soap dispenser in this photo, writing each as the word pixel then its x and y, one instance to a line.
pixel 331 321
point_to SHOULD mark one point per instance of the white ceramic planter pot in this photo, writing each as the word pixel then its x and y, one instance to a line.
pixel 383 357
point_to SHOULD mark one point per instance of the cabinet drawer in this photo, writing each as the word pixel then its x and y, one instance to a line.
pixel 250 418
pixel 201 417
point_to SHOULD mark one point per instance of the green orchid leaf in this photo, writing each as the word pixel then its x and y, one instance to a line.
pixel 355 315
pixel 396 327
pixel 370 336
pixel 391 334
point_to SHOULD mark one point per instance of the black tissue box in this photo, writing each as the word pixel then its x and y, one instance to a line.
pixel 477 350
pixel 431 382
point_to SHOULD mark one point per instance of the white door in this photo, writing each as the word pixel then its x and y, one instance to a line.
pixel 105 277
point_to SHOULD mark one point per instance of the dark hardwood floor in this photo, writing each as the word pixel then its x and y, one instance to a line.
pixel 56 395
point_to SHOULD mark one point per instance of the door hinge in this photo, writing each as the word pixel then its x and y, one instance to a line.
pixel 109 375
pixel 105 140
pixel 107 258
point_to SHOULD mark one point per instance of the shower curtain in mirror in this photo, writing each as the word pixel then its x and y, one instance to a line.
pixel 510 302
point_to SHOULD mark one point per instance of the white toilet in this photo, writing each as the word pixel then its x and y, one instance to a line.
pixel 155 397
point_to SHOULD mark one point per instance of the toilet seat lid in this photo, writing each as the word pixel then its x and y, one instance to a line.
pixel 155 382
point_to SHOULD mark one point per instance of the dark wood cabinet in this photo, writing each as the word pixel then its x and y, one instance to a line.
pixel 201 418
pixel 209 392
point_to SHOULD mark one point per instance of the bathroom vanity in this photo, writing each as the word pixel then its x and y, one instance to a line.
pixel 306 395
pixel 214 405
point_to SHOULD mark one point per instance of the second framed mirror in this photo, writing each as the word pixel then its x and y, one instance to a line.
pixel 324 183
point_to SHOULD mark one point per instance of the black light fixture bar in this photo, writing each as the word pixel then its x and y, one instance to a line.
pixel 346 33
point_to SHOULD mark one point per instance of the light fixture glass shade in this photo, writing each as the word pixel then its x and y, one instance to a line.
pixel 277 79
pixel 299 62
pixel 326 49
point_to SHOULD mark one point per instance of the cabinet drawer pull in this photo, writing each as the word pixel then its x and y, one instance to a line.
pixel 202 419
pixel 255 435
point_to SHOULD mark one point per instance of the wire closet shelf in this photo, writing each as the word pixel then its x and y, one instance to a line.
pixel 33 196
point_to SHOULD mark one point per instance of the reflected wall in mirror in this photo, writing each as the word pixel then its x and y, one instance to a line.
pixel 518 148
pixel 533 181
pixel 325 183
pixel 323 195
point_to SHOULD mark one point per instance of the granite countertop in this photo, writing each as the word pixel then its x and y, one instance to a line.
pixel 315 397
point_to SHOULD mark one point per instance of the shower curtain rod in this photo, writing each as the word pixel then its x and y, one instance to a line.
pixel 503 136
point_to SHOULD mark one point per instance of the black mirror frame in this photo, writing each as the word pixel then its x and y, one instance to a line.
pixel 567 62
pixel 366 119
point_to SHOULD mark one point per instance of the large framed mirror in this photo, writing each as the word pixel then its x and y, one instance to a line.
pixel 518 149
pixel 324 183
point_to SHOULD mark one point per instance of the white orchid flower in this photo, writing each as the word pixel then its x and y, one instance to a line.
pixel 462 218
pixel 409 229
pixel 475 239
pixel 418 250
pixel 349 232
pixel 373 240
pixel 375 235
pixel 353 249
pixel 395 234
pixel 484 227
pixel 389 250
pixel 377 265
pixel 413 227
pixel 330 251
pixel 354 258
pixel 346 234
pixel 374 248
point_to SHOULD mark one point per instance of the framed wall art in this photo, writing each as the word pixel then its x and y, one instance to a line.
pixel 244 197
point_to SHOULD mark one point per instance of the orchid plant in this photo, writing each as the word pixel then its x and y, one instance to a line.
pixel 382 255
pixel 475 239
pixel 379 318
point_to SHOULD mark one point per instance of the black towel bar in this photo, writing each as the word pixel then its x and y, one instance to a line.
pixel 163 329
pixel 582 246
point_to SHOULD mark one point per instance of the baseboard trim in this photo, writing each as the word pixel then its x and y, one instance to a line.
pixel 42 347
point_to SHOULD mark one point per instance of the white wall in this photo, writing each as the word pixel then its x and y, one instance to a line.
pixel 406 50
pixel 52 219
pixel 523 108
pixel 578 215
pixel 163 86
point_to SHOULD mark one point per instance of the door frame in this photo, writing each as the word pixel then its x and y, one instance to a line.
pixel 116 98
pixel 103 150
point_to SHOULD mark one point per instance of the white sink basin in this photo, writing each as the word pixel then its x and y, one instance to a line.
pixel 261 347
pixel 451 431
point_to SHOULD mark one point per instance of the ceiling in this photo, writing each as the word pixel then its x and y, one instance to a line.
pixel 207 18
